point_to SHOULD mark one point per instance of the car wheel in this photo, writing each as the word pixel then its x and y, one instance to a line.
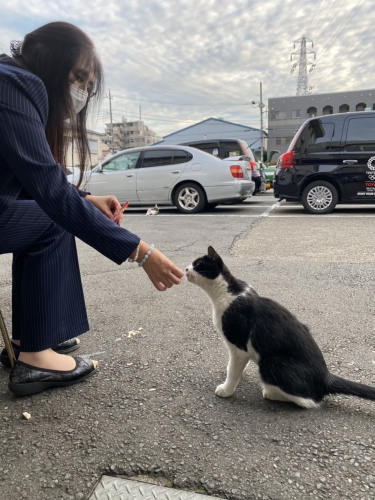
pixel 189 198
pixel 319 197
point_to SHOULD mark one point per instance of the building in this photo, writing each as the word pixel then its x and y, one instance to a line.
pixel 216 128
pixel 97 150
pixel 129 134
pixel 287 114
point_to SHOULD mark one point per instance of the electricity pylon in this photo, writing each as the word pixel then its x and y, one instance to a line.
pixel 303 87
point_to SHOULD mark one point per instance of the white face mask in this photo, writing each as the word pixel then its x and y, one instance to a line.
pixel 79 97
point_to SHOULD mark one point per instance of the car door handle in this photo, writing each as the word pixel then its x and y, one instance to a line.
pixel 129 175
pixel 175 171
pixel 350 162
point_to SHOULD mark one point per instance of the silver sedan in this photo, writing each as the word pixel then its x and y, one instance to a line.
pixel 169 175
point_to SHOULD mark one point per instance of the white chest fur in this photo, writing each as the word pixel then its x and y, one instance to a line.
pixel 221 300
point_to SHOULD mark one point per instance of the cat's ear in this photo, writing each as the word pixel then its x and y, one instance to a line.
pixel 211 253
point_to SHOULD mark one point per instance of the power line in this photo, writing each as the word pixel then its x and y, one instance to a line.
pixel 347 67
pixel 119 112
pixel 316 37
pixel 165 92
pixel 248 124
pixel 321 3
pixel 179 103
pixel 288 77
pixel 340 28
pixel 328 71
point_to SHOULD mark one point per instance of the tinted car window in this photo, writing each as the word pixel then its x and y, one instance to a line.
pixel 209 147
pixel 231 149
pixel 179 157
pixel 124 162
pixel 248 150
pixel 157 158
pixel 360 135
pixel 316 137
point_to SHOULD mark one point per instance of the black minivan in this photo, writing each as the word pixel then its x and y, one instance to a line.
pixel 331 160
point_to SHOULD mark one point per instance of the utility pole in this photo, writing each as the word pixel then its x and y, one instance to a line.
pixel 261 123
pixel 303 87
pixel 110 115
pixel 260 104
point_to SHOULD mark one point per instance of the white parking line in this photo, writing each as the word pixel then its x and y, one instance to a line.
pixel 270 208
pixel 200 215
pixel 337 216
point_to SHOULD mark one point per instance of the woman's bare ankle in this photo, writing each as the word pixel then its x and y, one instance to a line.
pixel 49 360
pixel 16 342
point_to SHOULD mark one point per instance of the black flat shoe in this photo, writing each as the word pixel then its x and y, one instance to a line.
pixel 63 348
pixel 26 379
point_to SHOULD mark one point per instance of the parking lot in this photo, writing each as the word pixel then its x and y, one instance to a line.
pixel 151 413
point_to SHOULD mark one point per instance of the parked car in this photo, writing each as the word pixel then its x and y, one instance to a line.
pixel 262 170
pixel 270 173
pixel 331 160
pixel 224 148
pixel 169 175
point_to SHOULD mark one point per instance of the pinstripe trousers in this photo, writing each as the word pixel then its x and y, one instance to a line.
pixel 48 305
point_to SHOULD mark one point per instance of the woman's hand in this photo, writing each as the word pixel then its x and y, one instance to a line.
pixel 108 205
pixel 161 271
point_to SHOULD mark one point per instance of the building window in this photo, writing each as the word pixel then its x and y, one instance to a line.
pixel 297 113
pixel 283 141
pixel 344 108
pixel 278 115
pixel 327 110
pixel 312 112
pixel 360 107
pixel 93 145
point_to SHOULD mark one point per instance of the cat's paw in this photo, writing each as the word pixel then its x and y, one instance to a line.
pixel 222 391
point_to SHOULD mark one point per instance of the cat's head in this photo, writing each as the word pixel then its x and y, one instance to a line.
pixel 205 269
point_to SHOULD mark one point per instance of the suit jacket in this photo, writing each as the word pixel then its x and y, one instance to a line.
pixel 26 163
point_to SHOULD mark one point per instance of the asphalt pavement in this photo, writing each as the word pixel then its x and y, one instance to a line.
pixel 151 414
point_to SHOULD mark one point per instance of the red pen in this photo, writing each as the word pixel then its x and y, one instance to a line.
pixel 121 211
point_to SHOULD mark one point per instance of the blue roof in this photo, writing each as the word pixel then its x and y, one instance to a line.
pixel 208 119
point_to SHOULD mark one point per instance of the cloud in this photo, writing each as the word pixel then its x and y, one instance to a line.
pixel 184 61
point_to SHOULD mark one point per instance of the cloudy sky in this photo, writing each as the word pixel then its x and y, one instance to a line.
pixel 183 61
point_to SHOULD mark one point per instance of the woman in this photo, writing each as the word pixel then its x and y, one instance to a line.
pixel 45 90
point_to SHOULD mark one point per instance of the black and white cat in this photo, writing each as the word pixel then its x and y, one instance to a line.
pixel 291 365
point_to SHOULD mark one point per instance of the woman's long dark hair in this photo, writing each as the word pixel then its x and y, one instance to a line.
pixel 51 52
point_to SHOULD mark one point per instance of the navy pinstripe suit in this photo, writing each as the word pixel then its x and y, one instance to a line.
pixel 40 214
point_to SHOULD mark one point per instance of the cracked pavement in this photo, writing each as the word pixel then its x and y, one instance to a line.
pixel 151 413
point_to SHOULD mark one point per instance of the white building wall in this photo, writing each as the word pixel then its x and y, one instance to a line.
pixel 96 150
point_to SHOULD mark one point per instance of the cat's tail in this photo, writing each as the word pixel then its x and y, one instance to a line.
pixel 338 385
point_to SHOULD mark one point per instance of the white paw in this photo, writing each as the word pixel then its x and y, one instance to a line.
pixel 222 391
